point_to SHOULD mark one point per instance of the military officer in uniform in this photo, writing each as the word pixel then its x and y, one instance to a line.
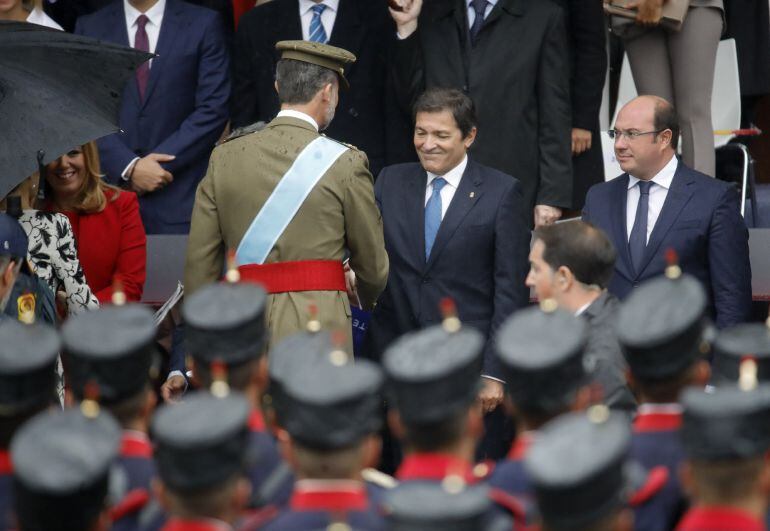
pixel 433 379
pixel 109 355
pixel 225 324
pixel 293 204
pixel 61 470
pixel 541 352
pixel 580 473
pixel 202 451
pixel 726 436
pixel 27 386
pixel 662 328
pixel 331 421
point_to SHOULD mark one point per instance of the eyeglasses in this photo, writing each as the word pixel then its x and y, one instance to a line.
pixel 617 134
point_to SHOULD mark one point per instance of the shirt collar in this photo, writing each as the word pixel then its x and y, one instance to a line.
pixel 291 113
pixel 154 14
pixel 453 176
pixel 307 5
pixel 493 3
pixel 329 495
pixel 583 308
pixel 668 408
pixel 662 178
pixel 433 466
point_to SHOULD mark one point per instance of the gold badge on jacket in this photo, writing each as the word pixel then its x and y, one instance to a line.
pixel 26 307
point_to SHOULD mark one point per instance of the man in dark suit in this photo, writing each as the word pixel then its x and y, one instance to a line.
pixel 511 57
pixel 453 228
pixel 359 26
pixel 661 204
pixel 174 111
pixel 572 263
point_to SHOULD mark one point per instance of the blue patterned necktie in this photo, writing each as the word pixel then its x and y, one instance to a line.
pixel 637 242
pixel 317 31
pixel 433 215
pixel 480 7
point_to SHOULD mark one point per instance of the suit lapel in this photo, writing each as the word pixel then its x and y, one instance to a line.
pixel 414 201
pixel 170 27
pixel 619 226
pixel 678 196
pixel 512 7
pixel 466 196
pixel 347 32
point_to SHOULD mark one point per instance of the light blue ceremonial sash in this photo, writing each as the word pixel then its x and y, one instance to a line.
pixel 282 205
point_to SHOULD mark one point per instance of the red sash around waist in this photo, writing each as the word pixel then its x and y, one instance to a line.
pixel 303 275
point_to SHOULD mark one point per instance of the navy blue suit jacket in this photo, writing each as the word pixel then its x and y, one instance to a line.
pixel 701 221
pixel 184 110
pixel 479 257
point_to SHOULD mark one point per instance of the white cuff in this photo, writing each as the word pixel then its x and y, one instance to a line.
pixel 493 378
pixel 175 373
pixel 124 175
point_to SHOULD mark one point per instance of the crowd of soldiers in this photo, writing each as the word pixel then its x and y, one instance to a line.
pixel 288 440
pixel 283 429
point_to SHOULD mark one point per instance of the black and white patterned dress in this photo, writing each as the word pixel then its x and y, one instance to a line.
pixel 54 256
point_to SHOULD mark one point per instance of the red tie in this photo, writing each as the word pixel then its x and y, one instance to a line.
pixel 142 42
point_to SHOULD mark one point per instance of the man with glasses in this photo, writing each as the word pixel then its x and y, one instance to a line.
pixel 660 204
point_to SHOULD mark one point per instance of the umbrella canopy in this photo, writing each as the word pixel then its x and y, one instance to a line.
pixel 57 91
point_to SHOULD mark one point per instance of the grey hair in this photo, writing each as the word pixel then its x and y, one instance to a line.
pixel 299 82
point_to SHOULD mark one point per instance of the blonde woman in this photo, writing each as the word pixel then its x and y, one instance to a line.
pixel 110 236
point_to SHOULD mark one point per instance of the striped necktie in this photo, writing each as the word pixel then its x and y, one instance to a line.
pixel 317 31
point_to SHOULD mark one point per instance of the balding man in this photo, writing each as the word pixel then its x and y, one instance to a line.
pixel 660 204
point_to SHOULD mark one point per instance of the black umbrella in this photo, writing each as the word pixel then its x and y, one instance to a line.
pixel 57 91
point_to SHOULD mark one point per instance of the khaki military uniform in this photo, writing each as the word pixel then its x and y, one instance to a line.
pixel 339 213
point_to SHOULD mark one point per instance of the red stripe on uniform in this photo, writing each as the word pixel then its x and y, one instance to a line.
pixel 303 275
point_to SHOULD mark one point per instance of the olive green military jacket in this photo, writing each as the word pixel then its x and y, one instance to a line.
pixel 339 213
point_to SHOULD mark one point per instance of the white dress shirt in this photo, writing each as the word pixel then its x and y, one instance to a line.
pixel 155 16
pixel 452 178
pixel 472 12
pixel 290 113
pixel 658 193
pixel 37 16
pixel 328 16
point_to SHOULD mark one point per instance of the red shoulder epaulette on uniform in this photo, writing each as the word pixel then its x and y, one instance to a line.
pixel 511 504
pixel 256 519
pixel 131 503
pixel 656 480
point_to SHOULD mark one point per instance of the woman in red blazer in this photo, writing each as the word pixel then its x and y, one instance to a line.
pixel 110 237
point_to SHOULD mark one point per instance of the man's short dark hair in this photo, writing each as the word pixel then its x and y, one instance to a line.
pixel 436 436
pixel 458 103
pixel 665 118
pixel 129 409
pixel 299 82
pixel 580 247
pixel 239 376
